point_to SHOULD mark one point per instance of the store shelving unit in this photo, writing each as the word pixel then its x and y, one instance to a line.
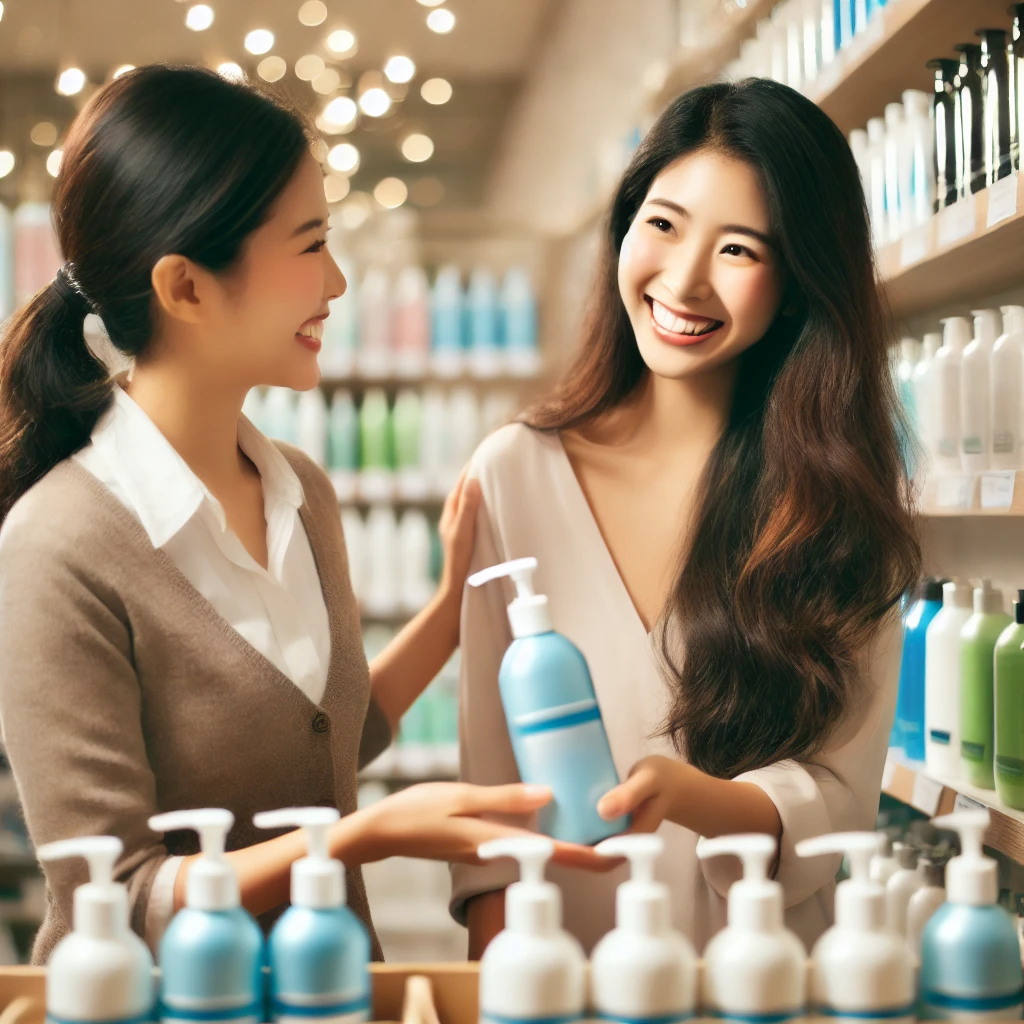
pixel 987 494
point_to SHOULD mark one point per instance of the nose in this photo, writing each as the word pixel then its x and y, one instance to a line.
pixel 687 275
pixel 335 280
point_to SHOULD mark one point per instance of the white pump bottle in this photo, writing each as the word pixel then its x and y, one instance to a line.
pixel 1007 385
pixel 643 969
pixel 101 971
pixel 956 334
pixel 755 967
pixel 533 970
pixel 975 392
pixel 900 889
pixel 861 968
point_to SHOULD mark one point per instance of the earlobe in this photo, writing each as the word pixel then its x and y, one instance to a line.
pixel 176 287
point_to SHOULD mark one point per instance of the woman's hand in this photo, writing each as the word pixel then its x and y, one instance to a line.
pixel 458 533
pixel 654 790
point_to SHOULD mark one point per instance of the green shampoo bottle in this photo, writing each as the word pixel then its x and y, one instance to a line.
pixel 1009 710
pixel 978 639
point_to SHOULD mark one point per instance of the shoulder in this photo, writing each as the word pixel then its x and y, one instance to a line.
pixel 514 453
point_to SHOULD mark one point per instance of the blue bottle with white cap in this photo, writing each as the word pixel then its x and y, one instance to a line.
pixel 554 721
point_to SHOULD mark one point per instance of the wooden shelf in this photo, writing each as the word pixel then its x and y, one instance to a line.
pixel 945 496
pixel 358 382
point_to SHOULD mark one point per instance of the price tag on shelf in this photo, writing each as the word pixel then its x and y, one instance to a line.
pixel 927 794
pixel 997 488
pixel 914 247
pixel 1002 200
pixel 967 803
pixel 955 490
pixel 957 221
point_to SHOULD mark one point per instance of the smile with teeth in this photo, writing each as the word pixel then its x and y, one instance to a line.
pixel 312 329
pixel 685 326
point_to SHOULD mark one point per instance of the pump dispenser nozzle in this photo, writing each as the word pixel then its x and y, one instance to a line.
pixel 101 905
pixel 212 882
pixel 956 332
pixel 860 902
pixel 318 880
pixel 532 904
pixel 755 902
pixel 642 903
pixel 972 878
pixel 528 614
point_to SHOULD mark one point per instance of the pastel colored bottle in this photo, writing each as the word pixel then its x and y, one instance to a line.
pixel 407 420
pixel 447 303
pixel 910 700
pixel 375 346
pixel 312 425
pixel 970 956
pixel 411 318
pixel 900 888
pixel 978 640
pixel 924 392
pixel 101 971
pixel 376 480
pixel 553 717
pixel 382 569
pixel 894 156
pixel 519 315
pixel 956 334
pixel 876 164
pixel 415 586
pixel 925 901
pixel 755 967
pixel 466 432
pixel 921 142
pixel 436 441
pixel 485 353
pixel 319 951
pixel 211 954
pixel 343 444
pixel 942 679
pixel 883 864
pixel 1008 750
pixel 976 392
pixel 341 328
pixel 1006 393
pixel 533 971
pixel 280 414
pixel 354 531
pixel 642 970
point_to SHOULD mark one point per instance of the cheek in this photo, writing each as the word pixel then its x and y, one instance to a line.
pixel 639 260
pixel 753 297
pixel 287 289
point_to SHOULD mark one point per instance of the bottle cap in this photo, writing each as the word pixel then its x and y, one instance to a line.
pixel 212 882
pixel 533 906
pixel 101 905
pixel 910 349
pixel 945 69
pixel 931 589
pixel 906 856
pixel 1013 319
pixel 970 54
pixel 931 343
pixel 860 902
pixel 528 614
pixel 1018 608
pixel 876 129
pixel 972 878
pixel 956 333
pixel 318 880
pixel 957 594
pixel 987 600
pixel 992 39
pixel 755 902
pixel 986 326
pixel 916 103
pixel 894 114
pixel 642 904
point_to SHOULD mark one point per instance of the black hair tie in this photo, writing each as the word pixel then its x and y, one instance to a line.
pixel 70 291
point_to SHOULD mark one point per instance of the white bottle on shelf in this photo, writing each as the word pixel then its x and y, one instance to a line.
pixel 910 352
pixel 924 902
pixel 341 328
pixel 281 415
pixel 776 34
pixel 464 410
pixel 411 302
pixel 875 192
pixel 860 147
pixel 956 334
pixel 485 353
pixel 415 586
pixel 895 159
pixel 882 865
pixel 312 425
pixel 436 440
pixel 976 392
pixel 810 17
pixel 919 172
pixel 924 391
pixel 519 316
pixel 381 591
pixel 447 354
pixel 354 531
pixel 942 679
pixel 1007 389
pixel 375 346
pixel 900 889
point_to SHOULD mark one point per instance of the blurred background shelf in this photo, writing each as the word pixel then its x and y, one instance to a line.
pixel 941 497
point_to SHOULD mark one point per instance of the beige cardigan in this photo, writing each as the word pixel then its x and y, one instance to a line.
pixel 122 692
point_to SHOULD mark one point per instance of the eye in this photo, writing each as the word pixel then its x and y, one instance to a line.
pixel 734 249
pixel 316 246
pixel 660 224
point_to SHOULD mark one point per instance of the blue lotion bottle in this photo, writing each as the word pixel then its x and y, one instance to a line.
pixel 970 956
pixel 319 951
pixel 211 955
pixel 910 702
pixel 519 313
pixel 553 717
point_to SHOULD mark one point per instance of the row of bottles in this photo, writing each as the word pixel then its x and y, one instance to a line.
pixel 29 254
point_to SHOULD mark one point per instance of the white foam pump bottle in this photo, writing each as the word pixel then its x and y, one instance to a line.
pixel 643 969
pixel 754 969
pixel 533 970
pixel 101 971
pixel 861 968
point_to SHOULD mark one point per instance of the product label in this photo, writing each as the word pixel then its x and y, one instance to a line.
pixel 1011 767
pixel 943 1006
pixel 1002 444
pixel 972 445
pixel 974 752
pixel 898 1013
pixel 1002 200
pixel 937 736
pixel 997 488
pixel 288 1010
pixel 499 1018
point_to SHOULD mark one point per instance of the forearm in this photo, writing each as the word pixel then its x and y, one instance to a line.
pixel 715 807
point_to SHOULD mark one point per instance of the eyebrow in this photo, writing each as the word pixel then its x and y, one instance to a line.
pixel 726 229
pixel 310 225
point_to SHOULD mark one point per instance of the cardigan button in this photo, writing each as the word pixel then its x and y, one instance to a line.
pixel 321 723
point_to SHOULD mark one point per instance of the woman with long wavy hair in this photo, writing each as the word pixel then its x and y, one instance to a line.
pixel 716 497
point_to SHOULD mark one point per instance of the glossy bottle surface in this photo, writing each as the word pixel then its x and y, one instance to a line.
pixel 977 643
pixel 910 702
pixel 1008 749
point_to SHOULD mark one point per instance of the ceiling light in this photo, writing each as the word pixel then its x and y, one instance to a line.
pixel 400 70
pixel 375 102
pixel 426 192
pixel 340 112
pixel 309 66
pixel 313 13
pixel 336 188
pixel 199 17
pixel 230 70
pixel 326 82
pixel 44 134
pixel 431 3
pixel 436 91
pixel 71 82
pixel 341 42
pixel 344 158
pixel 122 70
pixel 391 193
pixel 53 162
pixel 441 21
pixel 260 40
pixel 6 159
pixel 272 69
pixel 416 148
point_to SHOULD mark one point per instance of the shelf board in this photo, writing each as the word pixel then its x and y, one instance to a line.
pixel 941 499
pixel 358 382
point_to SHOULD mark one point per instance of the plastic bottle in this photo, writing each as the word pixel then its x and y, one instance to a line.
pixel 945 119
pixel 924 902
pixel 924 392
pixel 970 956
pixel 415 588
pixel 411 302
pixel 919 170
pixel 942 679
pixel 956 334
pixel 375 357
pixel 909 351
pixel 376 479
pixel 448 356
pixel 341 328
pixel 436 441
pixel 895 156
pixel 1008 752
pixel 754 969
pixel 978 640
pixel 910 700
pixel 876 195
pixel 381 591
pixel 643 969
pixel 355 546
pixel 553 717
pixel 519 316
pixel 900 888
pixel 280 415
pixel 312 425
pixel 407 420
pixel 970 97
pixel 859 146
pixel 211 955
pixel 976 392
pixel 533 970
pixel 1006 394
pixel 319 951
pixel 861 968
pixel 883 863
pixel 343 444
pixel 101 971
pixel 998 106
pixel 485 354
pixel 466 433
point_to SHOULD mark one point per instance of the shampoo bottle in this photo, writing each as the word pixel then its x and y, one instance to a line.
pixel 407 421
pixel 643 969
pixel 485 354
pixel 910 352
pixel 876 194
pixel 920 143
pixel 1008 752
pixel 553 717
pixel 862 970
pixel 883 864
pixel 101 971
pixel 312 425
pixel 464 411
pixel 411 303
pixel 1006 390
pixel 415 586
pixel 382 573
pixel 519 313
pixel 754 969
pixel 975 392
pixel 956 334
pixel 924 392
pixel 895 155
pixel 448 356
pixel 533 972
pixel 375 349
pixel 910 700
pixel 923 904
pixel 343 445
pixel 376 479
pixel 900 888
pixel 970 956
pixel 211 955
pixel 435 441
pixel 319 951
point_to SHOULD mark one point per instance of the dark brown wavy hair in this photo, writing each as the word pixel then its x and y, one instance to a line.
pixel 803 536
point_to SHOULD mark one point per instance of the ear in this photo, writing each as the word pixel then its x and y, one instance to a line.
pixel 180 287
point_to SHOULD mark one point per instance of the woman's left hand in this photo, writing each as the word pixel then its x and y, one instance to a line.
pixel 650 794
pixel 458 534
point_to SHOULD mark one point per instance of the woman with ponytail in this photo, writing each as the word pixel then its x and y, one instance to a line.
pixel 177 625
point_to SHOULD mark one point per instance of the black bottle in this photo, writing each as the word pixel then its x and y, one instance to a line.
pixel 971 134
pixel 995 78
pixel 944 120
pixel 1015 65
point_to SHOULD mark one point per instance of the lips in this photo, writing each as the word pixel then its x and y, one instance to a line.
pixel 680 328
pixel 311 334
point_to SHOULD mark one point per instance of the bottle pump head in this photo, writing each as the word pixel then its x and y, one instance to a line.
pixel 212 882
pixel 755 901
pixel 528 614
pixel 860 902
pixel 532 905
pixel 1013 319
pixel 956 333
pixel 987 600
pixel 931 343
pixel 957 594
pixel 972 878
pixel 642 903
pixel 906 856
pixel 318 880
pixel 986 326
pixel 101 905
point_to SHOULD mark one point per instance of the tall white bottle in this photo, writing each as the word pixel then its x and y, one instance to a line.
pixel 375 342
pixel 482 317
pixel 899 890
pixel 895 156
pixel 519 314
pixel 436 441
pixel 411 320
pixel 415 586
pixel 643 969
pixel 382 572
pixel 942 679
pixel 956 335
pixel 755 967
pixel 533 970
pixel 312 425
pixel 862 970
pixel 928 898
pixel 924 392
pixel 1007 388
pixel 910 352
pixel 876 192
pixel 354 531
pixel 882 865
pixel 919 172
pixel 466 434
pixel 976 392
pixel 448 346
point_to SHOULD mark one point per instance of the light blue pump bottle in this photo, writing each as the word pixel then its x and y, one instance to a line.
pixel 211 955
pixel 970 956
pixel 319 951
pixel 554 721
pixel 519 313
pixel 909 727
